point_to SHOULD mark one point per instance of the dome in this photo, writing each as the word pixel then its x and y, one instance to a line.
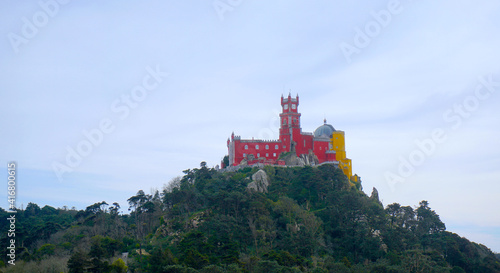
pixel 324 130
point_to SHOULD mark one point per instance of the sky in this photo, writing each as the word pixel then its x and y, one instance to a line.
pixel 102 99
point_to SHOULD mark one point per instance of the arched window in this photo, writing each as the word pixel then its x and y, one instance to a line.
pixel 267 147
pixel 276 147
pixel 258 155
pixel 257 146
pixel 246 147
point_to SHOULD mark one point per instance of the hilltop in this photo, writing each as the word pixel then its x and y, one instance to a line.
pixel 274 219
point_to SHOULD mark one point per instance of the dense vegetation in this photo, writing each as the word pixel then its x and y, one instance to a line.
pixel 311 219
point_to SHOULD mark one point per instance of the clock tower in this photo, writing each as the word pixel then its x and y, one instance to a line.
pixel 289 122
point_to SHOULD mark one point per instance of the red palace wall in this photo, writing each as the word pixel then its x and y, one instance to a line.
pixel 271 150
pixel 320 149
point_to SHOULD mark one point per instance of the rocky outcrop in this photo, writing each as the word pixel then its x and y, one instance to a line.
pixel 260 182
pixel 374 196
pixel 309 159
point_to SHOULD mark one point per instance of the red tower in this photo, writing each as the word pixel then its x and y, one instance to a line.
pixel 290 122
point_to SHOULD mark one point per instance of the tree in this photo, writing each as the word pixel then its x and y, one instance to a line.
pixel 99 266
pixel 96 208
pixel 172 184
pixel 46 250
pixel 428 221
pixel 160 258
pixel 48 210
pixel 136 202
pixel 114 209
pixel 32 209
pixel 96 249
pixel 78 262
pixel 394 212
pixel 119 266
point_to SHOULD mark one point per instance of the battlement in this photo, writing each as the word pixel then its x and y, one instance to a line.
pixel 259 141
pixel 289 99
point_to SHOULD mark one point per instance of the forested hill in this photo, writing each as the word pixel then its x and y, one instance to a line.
pixel 301 219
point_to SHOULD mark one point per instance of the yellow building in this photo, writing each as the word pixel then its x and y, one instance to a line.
pixel 336 149
pixel 337 144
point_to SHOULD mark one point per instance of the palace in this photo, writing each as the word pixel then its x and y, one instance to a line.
pixel 294 147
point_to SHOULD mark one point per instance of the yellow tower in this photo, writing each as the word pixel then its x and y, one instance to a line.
pixel 337 144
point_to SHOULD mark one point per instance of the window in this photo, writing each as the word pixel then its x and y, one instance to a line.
pixel 258 155
pixel 294 106
pixel 276 147
pixel 246 147
pixel 257 146
pixel 267 155
pixel 244 155
pixel 267 147
pixel 274 154
pixel 304 143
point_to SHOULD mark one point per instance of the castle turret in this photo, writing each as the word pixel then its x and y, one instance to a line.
pixel 290 121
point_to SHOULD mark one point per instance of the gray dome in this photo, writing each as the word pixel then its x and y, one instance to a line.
pixel 324 130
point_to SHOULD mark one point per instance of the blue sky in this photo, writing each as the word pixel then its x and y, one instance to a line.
pixel 166 82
